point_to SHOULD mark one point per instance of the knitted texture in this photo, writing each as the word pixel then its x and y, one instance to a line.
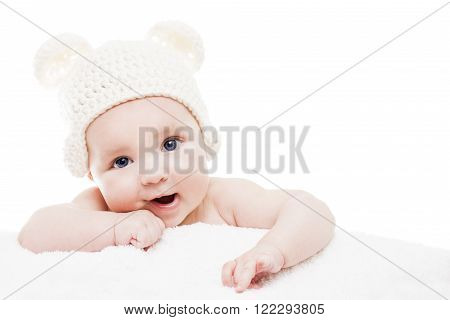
pixel 120 71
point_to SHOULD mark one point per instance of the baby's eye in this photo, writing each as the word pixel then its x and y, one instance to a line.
pixel 121 162
pixel 171 144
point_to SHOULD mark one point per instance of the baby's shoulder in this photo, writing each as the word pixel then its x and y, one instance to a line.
pixel 91 199
pixel 221 197
pixel 245 202
pixel 227 193
pixel 222 187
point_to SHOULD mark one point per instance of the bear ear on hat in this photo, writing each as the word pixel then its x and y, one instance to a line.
pixel 55 58
pixel 180 37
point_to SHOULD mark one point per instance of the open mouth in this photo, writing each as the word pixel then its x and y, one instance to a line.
pixel 165 200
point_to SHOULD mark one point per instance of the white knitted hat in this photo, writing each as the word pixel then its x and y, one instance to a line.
pixel 93 81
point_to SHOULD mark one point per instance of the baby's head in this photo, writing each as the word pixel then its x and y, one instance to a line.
pixel 131 169
pixel 115 97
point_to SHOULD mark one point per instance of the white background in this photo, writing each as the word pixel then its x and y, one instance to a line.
pixel 378 148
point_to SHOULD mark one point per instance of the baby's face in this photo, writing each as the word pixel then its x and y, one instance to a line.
pixel 129 176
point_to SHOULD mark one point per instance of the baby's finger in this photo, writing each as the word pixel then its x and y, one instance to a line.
pixel 255 285
pixel 227 273
pixel 259 276
pixel 243 276
pixel 264 264
pixel 148 247
pixel 135 243
pixel 153 233
pixel 157 224
pixel 161 223
pixel 258 280
pixel 143 239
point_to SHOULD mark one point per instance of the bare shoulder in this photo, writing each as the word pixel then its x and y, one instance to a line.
pixel 91 199
pixel 220 197
pixel 224 189
pixel 245 202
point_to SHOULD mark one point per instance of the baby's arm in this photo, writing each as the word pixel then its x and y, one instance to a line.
pixel 68 226
pixel 304 225
pixel 296 231
pixel 85 224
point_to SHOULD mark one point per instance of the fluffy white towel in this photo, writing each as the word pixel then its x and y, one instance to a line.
pixel 187 263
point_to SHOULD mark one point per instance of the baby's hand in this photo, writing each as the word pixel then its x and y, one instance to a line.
pixel 247 270
pixel 141 228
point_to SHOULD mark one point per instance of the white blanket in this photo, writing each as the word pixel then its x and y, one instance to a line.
pixel 187 262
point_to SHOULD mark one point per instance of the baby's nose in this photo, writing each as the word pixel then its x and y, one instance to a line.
pixel 153 177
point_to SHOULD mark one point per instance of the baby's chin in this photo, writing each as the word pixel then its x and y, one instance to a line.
pixel 169 223
pixel 178 220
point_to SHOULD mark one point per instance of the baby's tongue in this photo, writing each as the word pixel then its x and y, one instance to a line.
pixel 165 199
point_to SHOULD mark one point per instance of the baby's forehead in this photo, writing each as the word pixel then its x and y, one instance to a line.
pixel 121 131
pixel 145 137
pixel 154 110
pixel 130 117
pixel 141 117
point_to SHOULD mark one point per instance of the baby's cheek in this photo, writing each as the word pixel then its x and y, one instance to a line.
pixel 121 201
pixel 195 188
pixel 177 166
pixel 190 157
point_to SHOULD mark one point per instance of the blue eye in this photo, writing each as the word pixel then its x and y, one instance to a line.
pixel 121 162
pixel 170 144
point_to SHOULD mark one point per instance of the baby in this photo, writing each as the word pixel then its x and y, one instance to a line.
pixel 112 94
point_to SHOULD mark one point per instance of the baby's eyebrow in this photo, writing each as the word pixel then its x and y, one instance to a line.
pixel 161 129
pixel 114 150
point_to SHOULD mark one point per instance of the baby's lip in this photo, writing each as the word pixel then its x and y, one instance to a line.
pixel 165 200
pixel 165 207
pixel 161 195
